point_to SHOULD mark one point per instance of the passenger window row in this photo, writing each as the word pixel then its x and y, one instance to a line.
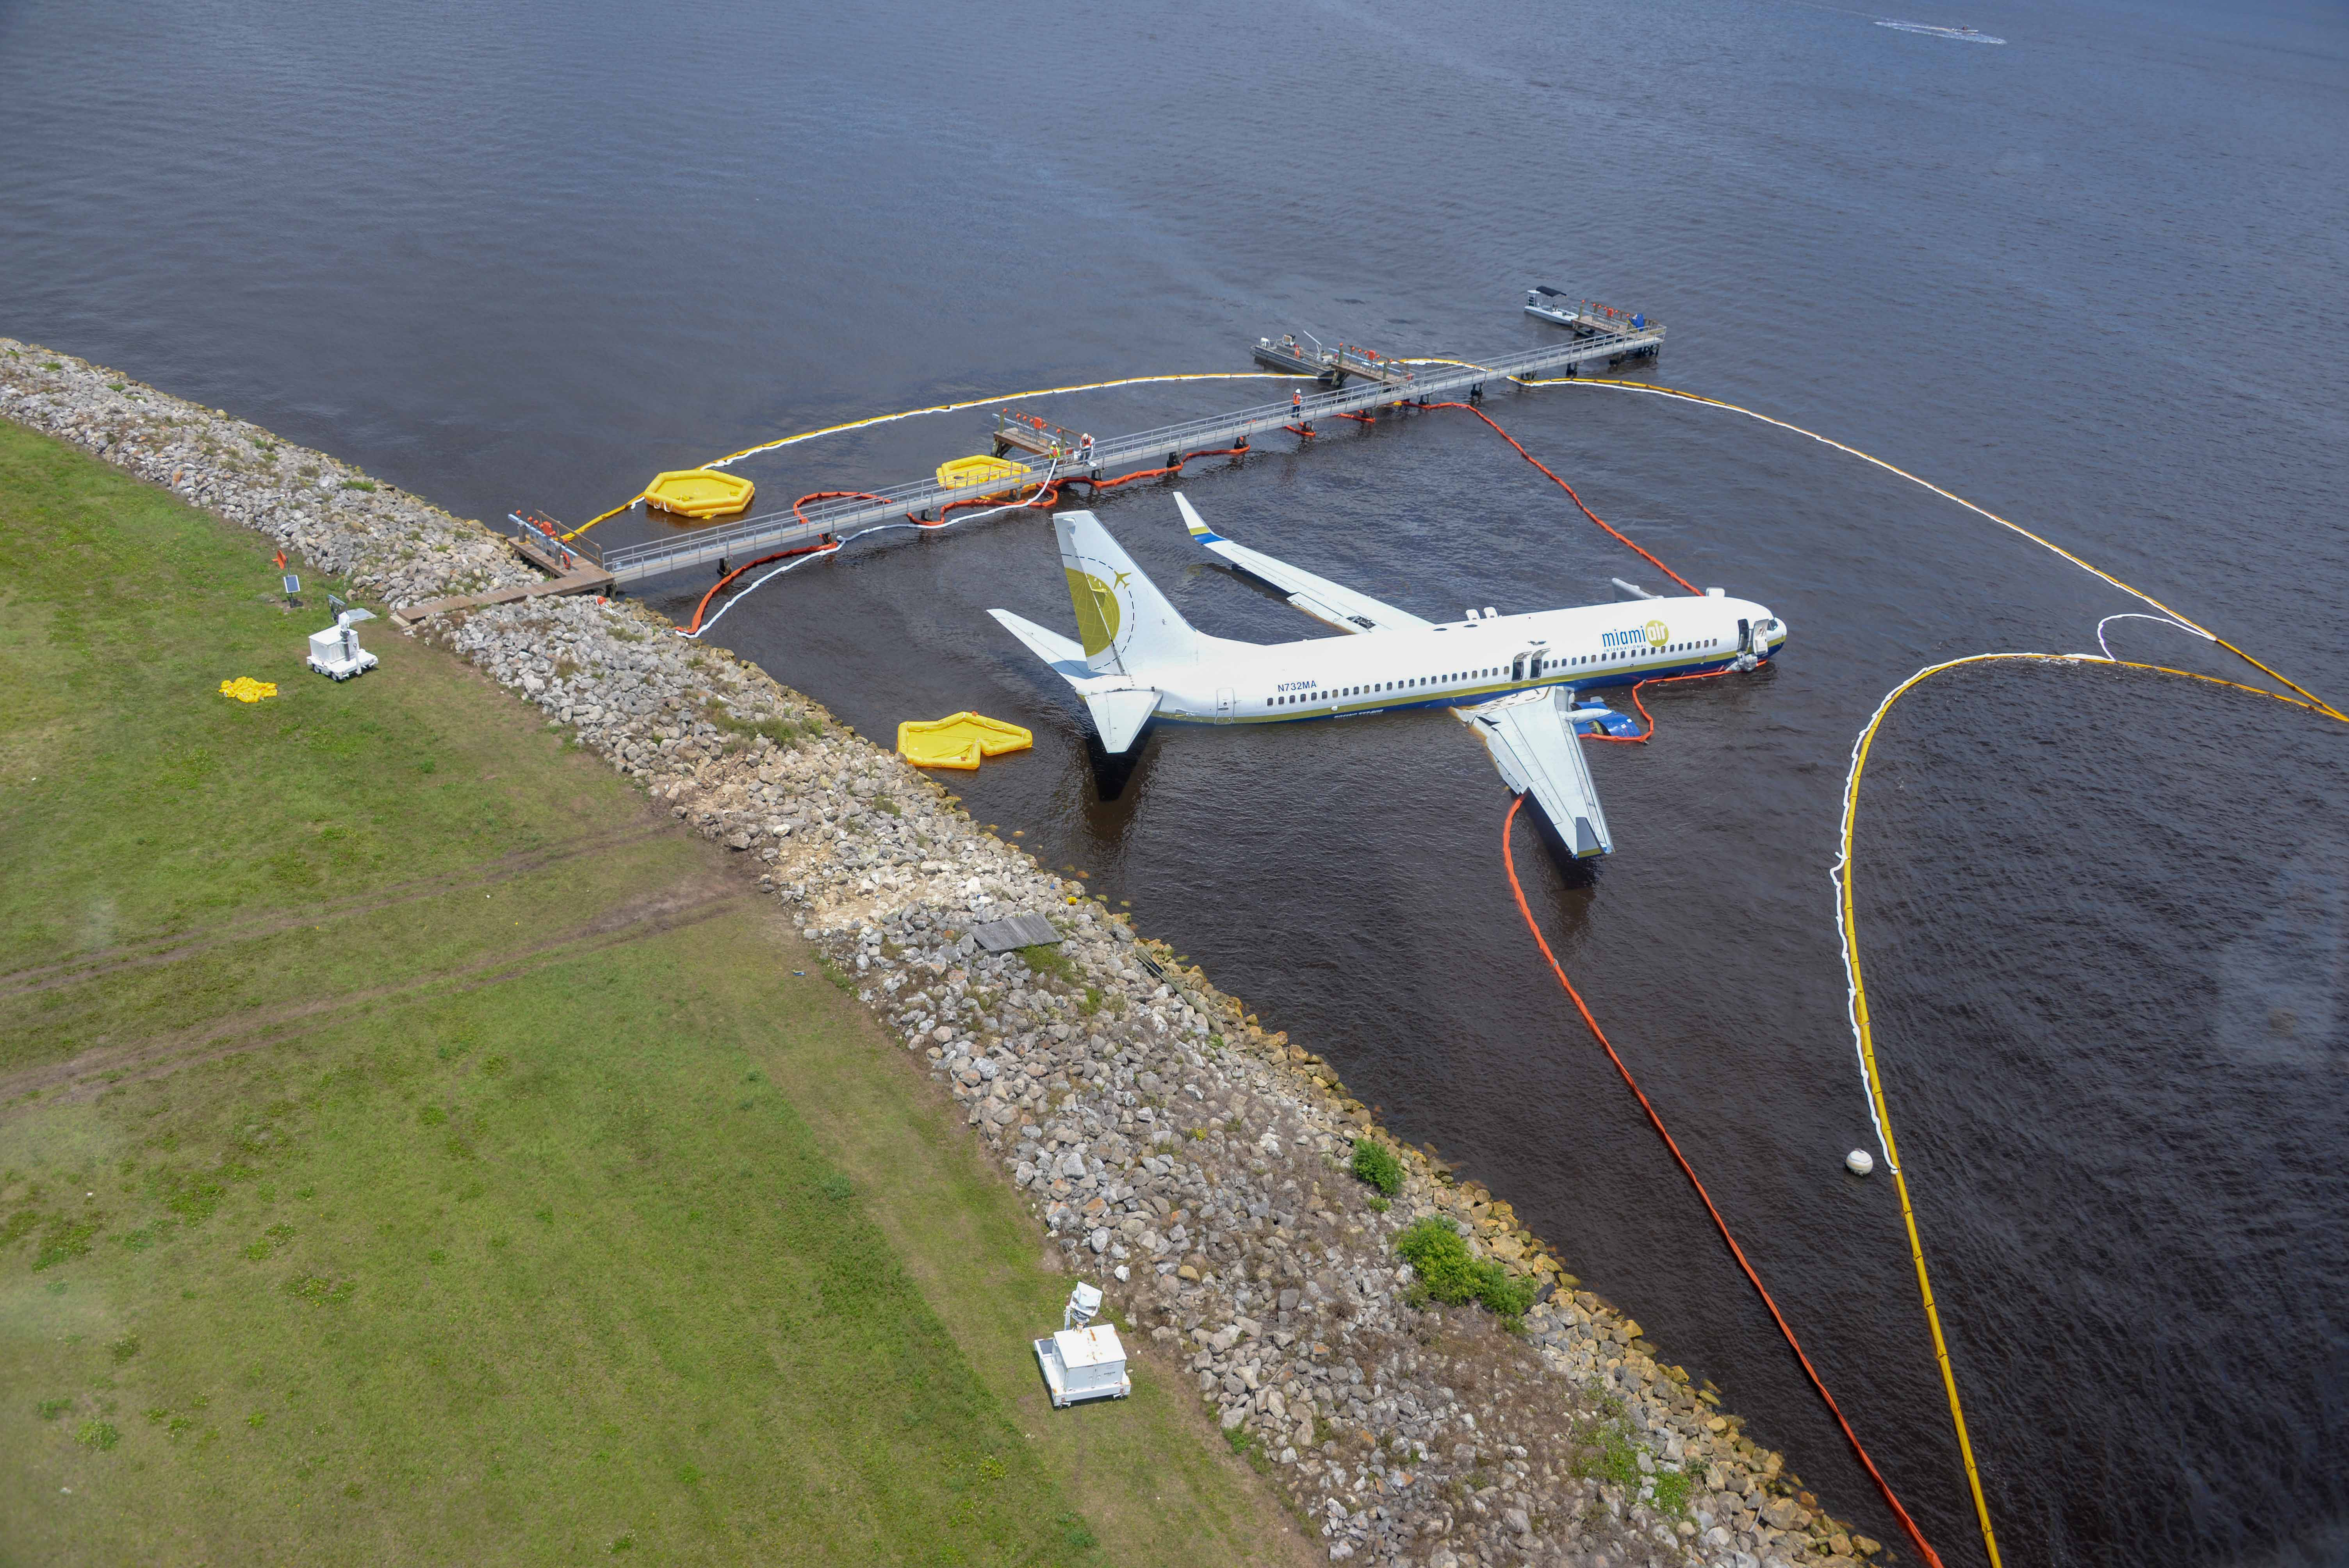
pixel 1536 667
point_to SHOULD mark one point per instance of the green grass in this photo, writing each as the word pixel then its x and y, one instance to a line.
pixel 412 1148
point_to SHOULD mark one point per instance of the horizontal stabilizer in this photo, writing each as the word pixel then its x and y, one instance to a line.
pixel 1533 744
pixel 1063 653
pixel 1119 706
pixel 1119 716
pixel 1325 601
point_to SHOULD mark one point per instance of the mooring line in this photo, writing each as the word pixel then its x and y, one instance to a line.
pixel 1569 489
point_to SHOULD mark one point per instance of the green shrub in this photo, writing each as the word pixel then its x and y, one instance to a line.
pixel 1449 1273
pixel 1614 1459
pixel 784 732
pixel 1046 958
pixel 1375 1163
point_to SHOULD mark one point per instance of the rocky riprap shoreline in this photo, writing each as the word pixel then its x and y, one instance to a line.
pixel 1194 1164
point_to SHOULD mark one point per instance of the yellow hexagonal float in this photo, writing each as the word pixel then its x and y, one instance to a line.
pixel 978 471
pixel 699 492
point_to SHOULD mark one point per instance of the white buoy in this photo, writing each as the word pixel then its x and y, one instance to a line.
pixel 1860 1162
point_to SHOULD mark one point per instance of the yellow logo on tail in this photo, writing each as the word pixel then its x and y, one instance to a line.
pixel 1097 618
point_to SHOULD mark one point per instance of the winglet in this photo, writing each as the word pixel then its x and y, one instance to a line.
pixel 1191 520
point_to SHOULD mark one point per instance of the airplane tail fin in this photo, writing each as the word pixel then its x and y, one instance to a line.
pixel 1124 622
pixel 1120 705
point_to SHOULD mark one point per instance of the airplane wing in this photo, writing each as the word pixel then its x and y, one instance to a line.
pixel 1533 744
pixel 1318 596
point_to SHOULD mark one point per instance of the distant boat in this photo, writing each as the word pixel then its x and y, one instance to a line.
pixel 1962 35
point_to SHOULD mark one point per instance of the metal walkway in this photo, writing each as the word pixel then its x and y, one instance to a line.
pixel 737 542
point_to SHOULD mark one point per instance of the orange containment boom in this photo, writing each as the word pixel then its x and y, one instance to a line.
pixel 699 492
pixel 959 740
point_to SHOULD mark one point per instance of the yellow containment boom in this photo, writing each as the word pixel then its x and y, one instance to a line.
pixel 959 740
pixel 699 492
pixel 977 471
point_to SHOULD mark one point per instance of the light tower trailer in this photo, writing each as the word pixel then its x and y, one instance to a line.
pixel 336 651
pixel 1081 1363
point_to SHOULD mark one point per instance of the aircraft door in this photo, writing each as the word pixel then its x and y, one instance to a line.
pixel 1744 635
pixel 1223 702
pixel 1517 669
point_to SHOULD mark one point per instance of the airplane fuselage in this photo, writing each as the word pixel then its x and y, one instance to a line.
pixel 1463 662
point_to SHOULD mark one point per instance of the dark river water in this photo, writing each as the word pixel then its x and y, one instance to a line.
pixel 528 253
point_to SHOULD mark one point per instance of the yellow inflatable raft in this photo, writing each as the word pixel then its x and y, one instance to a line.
pixel 699 492
pixel 959 740
pixel 977 471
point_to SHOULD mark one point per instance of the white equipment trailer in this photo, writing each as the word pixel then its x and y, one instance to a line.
pixel 336 651
pixel 1083 1363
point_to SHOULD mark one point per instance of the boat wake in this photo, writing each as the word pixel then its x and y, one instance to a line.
pixel 1962 35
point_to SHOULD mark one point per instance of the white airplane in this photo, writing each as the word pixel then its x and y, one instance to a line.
pixel 1515 679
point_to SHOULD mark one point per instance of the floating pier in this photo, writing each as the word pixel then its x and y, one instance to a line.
pixel 1334 366
pixel 817 523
